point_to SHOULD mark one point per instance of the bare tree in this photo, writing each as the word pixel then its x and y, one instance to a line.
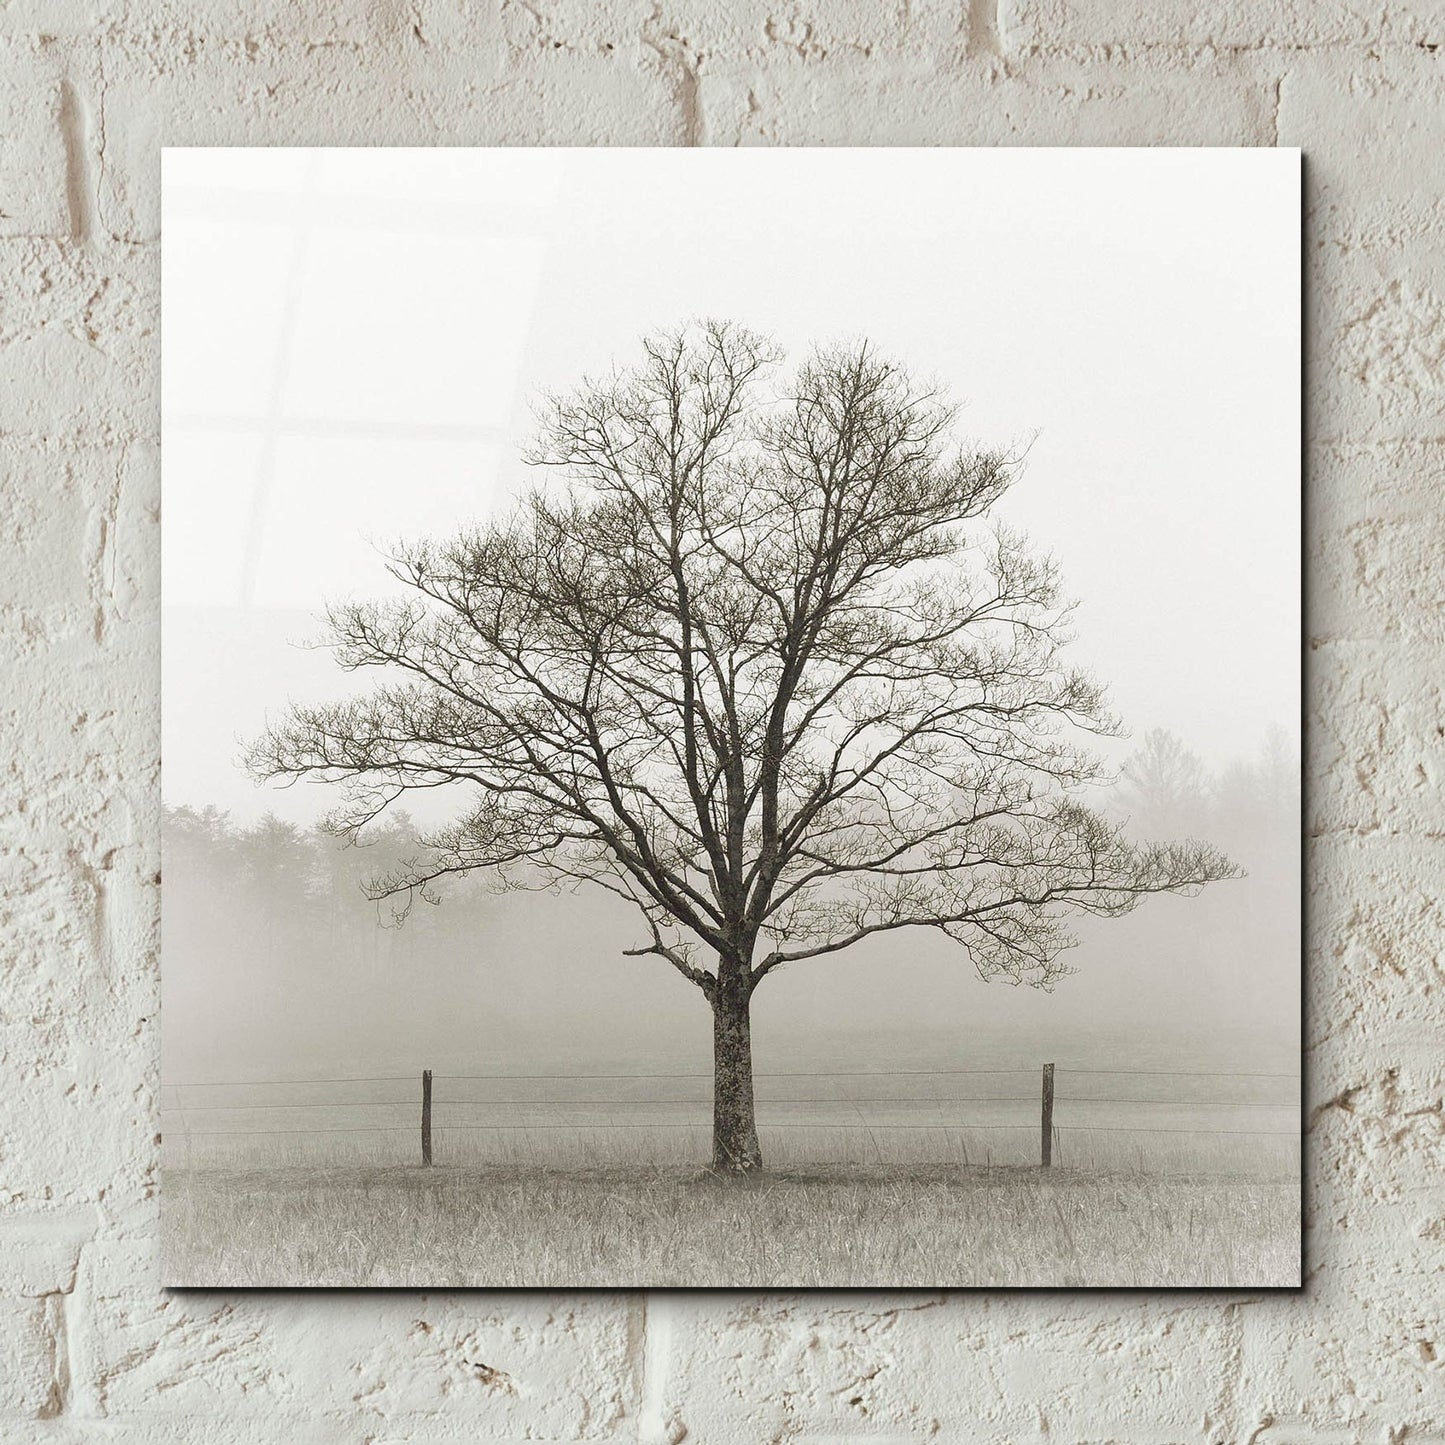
pixel 1163 785
pixel 756 663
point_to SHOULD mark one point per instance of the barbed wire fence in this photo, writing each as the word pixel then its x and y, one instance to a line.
pixel 194 1110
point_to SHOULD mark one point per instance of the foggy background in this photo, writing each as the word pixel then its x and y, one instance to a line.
pixel 352 341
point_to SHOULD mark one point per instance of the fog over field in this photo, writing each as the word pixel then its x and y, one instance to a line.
pixel 260 983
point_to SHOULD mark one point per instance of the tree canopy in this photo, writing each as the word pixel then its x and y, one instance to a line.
pixel 754 655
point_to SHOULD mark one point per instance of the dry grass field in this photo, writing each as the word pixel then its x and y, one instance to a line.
pixel 1172 1167
pixel 944 1226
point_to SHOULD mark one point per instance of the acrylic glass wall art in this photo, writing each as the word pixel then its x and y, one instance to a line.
pixel 731 718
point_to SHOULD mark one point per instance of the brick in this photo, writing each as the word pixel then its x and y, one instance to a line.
pixel 35 110
pixel 58 19
pixel 207 1429
pixel 29 1365
pixel 39 1252
pixel 1375 246
pixel 1378 1377
pixel 1374 554
pixel 77 333
pixel 1381 320
pixel 1215 101
pixel 1375 941
pixel 1376 751
pixel 45 520
pixel 170 25
pixel 1371 133
pixel 979 1368
pixel 1289 23
pixel 694 32
pixel 485 1367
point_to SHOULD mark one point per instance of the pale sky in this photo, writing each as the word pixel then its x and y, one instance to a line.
pixel 352 340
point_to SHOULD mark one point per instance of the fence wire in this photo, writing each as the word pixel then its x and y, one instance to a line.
pixel 187 1107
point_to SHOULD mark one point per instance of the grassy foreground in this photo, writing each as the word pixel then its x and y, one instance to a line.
pixel 944 1227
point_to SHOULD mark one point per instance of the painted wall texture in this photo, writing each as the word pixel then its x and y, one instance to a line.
pixel 90 1348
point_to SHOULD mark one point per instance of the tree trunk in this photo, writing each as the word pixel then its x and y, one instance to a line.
pixel 734 1124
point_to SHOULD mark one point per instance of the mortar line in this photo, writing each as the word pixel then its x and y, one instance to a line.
pixel 59 1401
pixel 73 1326
pixel 984 21
pixel 656 1349
pixel 636 1333
pixel 75 135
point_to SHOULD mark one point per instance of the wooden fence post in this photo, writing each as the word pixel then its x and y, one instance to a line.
pixel 1047 1136
pixel 426 1117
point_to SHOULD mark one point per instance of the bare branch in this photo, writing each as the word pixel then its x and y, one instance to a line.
pixel 754 655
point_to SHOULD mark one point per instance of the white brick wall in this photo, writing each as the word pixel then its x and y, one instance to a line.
pixel 90 1349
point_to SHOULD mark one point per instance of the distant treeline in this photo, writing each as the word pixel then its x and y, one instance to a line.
pixel 1250 807
pixel 288 892
pixel 278 964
